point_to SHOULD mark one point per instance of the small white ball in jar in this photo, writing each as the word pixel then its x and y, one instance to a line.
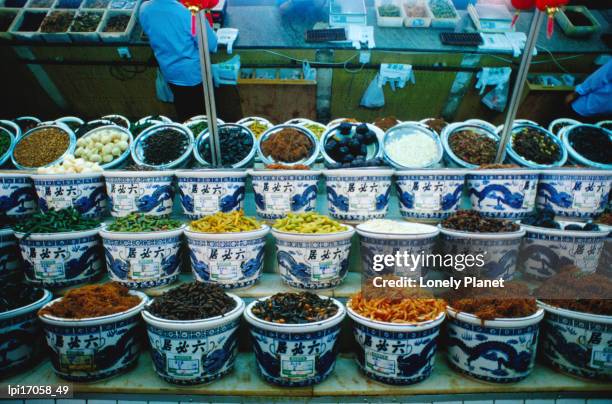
pixel 95 158
pixel 107 158
pixel 116 151
pixel 123 145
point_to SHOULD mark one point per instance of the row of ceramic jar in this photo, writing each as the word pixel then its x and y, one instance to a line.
pixel 200 351
pixel 305 261
pixel 352 194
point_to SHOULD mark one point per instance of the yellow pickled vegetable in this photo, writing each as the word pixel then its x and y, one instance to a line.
pixel 258 128
pixel 316 129
pixel 232 222
pixel 308 223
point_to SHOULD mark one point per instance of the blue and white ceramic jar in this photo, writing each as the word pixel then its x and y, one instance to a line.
pixel 396 354
pixel 231 260
pixel 358 194
pixel 206 192
pixel 17 195
pixel 429 195
pixel 56 260
pixel 574 193
pixel 498 251
pixel 143 259
pixel 149 192
pixel 503 193
pixel 21 336
pixel 194 351
pixel 295 355
pixel 415 239
pixel 502 350
pixel 546 251
pixel 278 192
pixel 90 349
pixel 84 192
pixel 10 259
pixel 577 343
pixel 313 261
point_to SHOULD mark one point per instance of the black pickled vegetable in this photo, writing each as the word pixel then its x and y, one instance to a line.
pixel 295 308
pixel 192 301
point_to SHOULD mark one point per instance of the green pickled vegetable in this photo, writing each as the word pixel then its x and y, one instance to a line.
pixel 56 221
pixel 309 223
pixel 138 222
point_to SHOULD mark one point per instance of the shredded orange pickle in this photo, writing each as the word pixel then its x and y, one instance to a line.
pixel 397 309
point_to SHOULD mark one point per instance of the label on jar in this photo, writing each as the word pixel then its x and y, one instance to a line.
pixel 79 359
pixel 145 269
pixel 429 200
pixel 297 367
pixel 224 271
pixel 380 363
pixel 601 358
pixel 206 204
pixel 123 202
pixel 182 365
pixel 529 198
pixel 586 199
pixel 49 270
pixel 362 203
pixel 278 202
pixel 324 269
pixel 60 202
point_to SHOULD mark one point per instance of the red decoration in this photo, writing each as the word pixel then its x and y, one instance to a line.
pixel 550 7
pixel 195 6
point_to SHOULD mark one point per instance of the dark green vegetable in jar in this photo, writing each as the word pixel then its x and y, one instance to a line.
pixel 138 222
pixel 5 142
pixel 56 221
pixel 592 143
pixel 295 308
pixel 473 222
pixel 57 21
pixel 164 146
pixel 86 22
pixel 535 145
pixel 192 301
pixel 14 295
pixel 236 144
pixel 198 127
pixel 472 147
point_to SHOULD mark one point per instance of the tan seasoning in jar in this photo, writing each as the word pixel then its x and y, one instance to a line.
pixel 42 147
pixel 287 145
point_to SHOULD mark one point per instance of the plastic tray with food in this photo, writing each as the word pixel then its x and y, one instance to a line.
pixel 444 14
pixel 417 14
pixel 54 27
pixel 7 16
pixel 389 13
pixel 117 25
pixel 84 28
pixel 26 26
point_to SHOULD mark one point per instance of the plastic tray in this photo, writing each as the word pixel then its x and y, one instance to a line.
pixel 54 37
pixel 113 37
pixel 34 36
pixel 8 11
pixel 572 30
pixel 444 23
pixel 389 21
pixel 92 36
pixel 417 22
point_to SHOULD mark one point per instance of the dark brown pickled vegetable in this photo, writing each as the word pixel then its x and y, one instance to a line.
pixel 473 222
pixel 295 308
pixel 473 147
pixel 192 301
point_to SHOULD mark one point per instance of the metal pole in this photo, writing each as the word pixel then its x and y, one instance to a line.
pixel 519 83
pixel 209 93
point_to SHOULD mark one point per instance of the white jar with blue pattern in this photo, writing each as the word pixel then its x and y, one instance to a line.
pixel 499 251
pixel 206 192
pixel 10 260
pixel 577 343
pixel 313 261
pixel 194 351
pixel 94 348
pixel 295 355
pixel 502 350
pixel 143 259
pixel 429 195
pixel 278 192
pixel 231 260
pixel 84 192
pixel 503 193
pixel 17 195
pixel 546 251
pixel 574 193
pixel 420 242
pixel 149 192
pixel 397 354
pixel 358 194
pixel 21 336
pixel 56 260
